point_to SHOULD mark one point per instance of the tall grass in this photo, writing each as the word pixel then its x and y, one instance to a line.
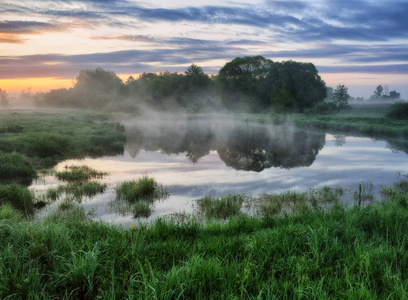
pixel 221 208
pixel 16 168
pixel 17 197
pixel 145 188
pixel 337 253
pixel 138 196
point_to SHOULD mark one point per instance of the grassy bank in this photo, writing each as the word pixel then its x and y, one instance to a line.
pixel 357 252
pixel 48 137
pixel 361 119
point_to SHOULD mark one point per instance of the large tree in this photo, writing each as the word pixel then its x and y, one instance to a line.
pixel 258 83
pixel 300 81
pixel 242 83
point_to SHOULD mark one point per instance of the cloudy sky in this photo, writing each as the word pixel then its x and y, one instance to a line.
pixel 361 43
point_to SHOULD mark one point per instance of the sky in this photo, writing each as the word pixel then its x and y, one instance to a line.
pixel 360 43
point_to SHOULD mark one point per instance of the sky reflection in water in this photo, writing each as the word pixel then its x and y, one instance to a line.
pixel 251 160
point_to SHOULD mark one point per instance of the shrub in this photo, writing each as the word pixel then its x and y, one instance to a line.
pixel 398 111
pixel 16 168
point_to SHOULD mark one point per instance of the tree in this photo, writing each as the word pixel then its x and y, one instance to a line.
pixel 340 97
pixel 301 80
pixel 4 99
pixel 257 83
pixel 395 95
pixel 242 83
pixel 378 92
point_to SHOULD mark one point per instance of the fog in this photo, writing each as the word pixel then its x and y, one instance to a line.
pixel 241 145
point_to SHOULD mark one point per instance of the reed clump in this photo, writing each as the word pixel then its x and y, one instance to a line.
pixel 138 196
pixel 145 188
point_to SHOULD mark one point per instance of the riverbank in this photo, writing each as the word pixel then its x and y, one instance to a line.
pixel 342 252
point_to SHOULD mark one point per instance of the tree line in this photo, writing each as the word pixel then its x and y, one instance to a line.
pixel 249 84
pixel 245 84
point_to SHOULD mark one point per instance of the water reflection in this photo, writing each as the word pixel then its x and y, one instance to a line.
pixel 240 145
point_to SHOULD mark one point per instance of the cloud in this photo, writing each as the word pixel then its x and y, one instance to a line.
pixel 300 20
pixel 26 27
pixel 378 69
pixel 10 39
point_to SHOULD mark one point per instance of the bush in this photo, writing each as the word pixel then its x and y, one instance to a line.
pixel 398 111
pixel 16 168
pixel 18 197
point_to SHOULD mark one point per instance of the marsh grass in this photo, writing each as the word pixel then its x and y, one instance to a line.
pixel 82 189
pixel 145 188
pixel 78 183
pixel 138 197
pixel 220 208
pixel 79 174
pixel 141 209
pixel 292 202
pixel 18 197
pixel 50 137
pixel 338 253
pixel 16 168
pixel 365 193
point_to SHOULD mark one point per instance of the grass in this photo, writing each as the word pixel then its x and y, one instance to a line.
pixel 138 196
pixel 82 189
pixel 145 188
pixel 141 209
pixel 18 197
pixel 78 183
pixel 221 208
pixel 48 137
pixel 16 168
pixel 338 253
pixel 79 174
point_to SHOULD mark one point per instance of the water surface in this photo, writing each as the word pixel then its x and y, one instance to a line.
pixel 194 158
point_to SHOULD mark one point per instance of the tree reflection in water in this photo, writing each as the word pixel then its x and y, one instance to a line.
pixel 241 145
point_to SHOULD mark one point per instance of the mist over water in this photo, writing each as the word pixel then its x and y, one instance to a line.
pixel 197 156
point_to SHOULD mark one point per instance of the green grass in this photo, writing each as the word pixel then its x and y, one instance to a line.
pixel 221 208
pixel 82 189
pixel 141 209
pixel 78 183
pixel 138 196
pixel 48 137
pixel 79 174
pixel 16 168
pixel 18 197
pixel 338 253
pixel 145 188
